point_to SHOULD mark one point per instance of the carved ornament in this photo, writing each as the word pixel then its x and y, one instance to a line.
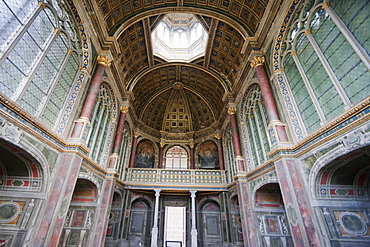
pixel 257 61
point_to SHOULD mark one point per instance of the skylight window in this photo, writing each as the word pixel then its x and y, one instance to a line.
pixel 179 37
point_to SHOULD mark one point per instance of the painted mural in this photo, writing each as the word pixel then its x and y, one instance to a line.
pixel 208 156
pixel 145 155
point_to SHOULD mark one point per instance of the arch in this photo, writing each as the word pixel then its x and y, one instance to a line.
pixel 176 157
pixel 28 170
pixel 341 188
pixel 81 214
pixel 140 221
pixel 226 84
pixel 327 164
pixel 23 184
pixel 209 223
pixel 123 25
pixel 270 214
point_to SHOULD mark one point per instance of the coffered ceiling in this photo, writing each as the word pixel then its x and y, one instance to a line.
pixel 204 82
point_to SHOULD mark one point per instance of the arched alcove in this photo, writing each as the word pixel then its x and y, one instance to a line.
pixel 342 193
pixel 81 214
pixel 271 216
pixel 210 228
pixel 22 185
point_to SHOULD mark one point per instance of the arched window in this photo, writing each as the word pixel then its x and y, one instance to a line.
pixel 176 158
pixel 256 124
pixel 39 57
pixel 325 64
pixel 229 153
pixel 124 153
pixel 101 116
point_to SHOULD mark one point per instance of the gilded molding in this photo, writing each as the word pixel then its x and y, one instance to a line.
pixel 103 60
pixel 257 61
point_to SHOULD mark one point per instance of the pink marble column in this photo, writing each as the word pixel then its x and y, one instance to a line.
pixel 118 138
pixel 220 152
pixel 133 150
pixel 102 212
pixel 160 160
pixel 268 98
pixel 236 141
pixel 56 208
pixel 248 226
pixel 92 94
pixel 192 163
pixel 296 203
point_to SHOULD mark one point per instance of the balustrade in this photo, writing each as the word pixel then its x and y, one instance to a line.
pixel 183 177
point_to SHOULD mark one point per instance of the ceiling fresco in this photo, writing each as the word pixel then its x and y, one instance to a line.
pixel 204 81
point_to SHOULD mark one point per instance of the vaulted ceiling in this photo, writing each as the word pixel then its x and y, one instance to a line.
pixel 167 91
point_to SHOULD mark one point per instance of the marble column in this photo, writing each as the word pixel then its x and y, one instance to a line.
pixel 246 214
pixel 276 129
pixel 297 205
pixel 103 211
pixel 57 204
pixel 133 150
pixel 155 220
pixel 236 140
pixel 194 232
pixel 118 138
pixel 160 160
pixel 220 151
pixel 82 126
pixel 192 163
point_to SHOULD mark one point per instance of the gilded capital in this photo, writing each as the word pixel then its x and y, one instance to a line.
pixel 231 110
pixel 136 134
pixel 124 109
pixel 161 144
pixel 191 145
pixel 257 61
pixel 103 60
pixel 293 53
pixel 218 136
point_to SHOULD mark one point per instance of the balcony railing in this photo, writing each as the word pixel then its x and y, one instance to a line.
pixel 144 176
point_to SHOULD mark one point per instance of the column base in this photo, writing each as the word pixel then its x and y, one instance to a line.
pixel 194 238
pixel 276 134
pixel 113 159
pixel 154 237
pixel 81 131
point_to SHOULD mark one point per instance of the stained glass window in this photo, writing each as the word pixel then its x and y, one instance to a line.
pixel 229 154
pixel 100 120
pixel 256 124
pixel 124 154
pixel 327 73
pixel 39 56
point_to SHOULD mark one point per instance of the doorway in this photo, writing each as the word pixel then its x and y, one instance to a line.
pixel 175 227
